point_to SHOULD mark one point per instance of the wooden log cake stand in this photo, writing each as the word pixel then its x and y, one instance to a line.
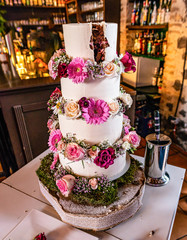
pixel 102 217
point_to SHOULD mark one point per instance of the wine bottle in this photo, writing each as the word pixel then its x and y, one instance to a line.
pixel 142 14
pixel 149 14
pixel 133 15
pixel 154 14
pixel 163 12
pixel 137 17
pixel 164 45
pixel 145 13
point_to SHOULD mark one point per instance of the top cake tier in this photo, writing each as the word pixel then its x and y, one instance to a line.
pixel 95 41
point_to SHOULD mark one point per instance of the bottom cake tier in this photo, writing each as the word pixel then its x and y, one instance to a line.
pixel 101 217
pixel 85 210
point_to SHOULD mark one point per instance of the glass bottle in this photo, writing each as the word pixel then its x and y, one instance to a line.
pixel 154 14
pixel 142 14
pixel 145 12
pixel 137 16
pixel 133 15
pixel 164 45
pixel 139 43
pixel 158 14
pixel 163 12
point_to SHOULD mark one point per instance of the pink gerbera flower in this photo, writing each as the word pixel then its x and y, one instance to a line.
pixel 77 70
pixel 97 112
pixel 54 138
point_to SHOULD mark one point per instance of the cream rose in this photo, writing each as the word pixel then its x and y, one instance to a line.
pixel 72 109
pixel 93 183
pixel 126 99
pixel 113 107
pixel 110 69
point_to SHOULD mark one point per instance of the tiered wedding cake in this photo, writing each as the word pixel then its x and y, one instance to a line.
pixel 89 133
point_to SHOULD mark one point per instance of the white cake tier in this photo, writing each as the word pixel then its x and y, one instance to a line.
pixel 106 88
pixel 77 40
pixel 90 169
pixel 111 130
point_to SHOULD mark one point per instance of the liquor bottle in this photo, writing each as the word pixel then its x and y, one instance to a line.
pixel 145 13
pixel 139 43
pixel 155 76
pixel 55 3
pixel 137 17
pixel 15 2
pixel 167 15
pixel 39 2
pixel 157 45
pixel 163 12
pixel 161 42
pixel 159 81
pixel 158 14
pixel 135 43
pixel 149 14
pixel 150 44
pixel 144 44
pixel 43 2
pixel 164 45
pixel 133 15
pixel 142 14
pixel 153 50
pixel 154 14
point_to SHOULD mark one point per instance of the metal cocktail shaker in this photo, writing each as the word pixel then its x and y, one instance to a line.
pixel 156 155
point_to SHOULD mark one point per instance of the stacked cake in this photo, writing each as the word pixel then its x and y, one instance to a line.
pixel 90 134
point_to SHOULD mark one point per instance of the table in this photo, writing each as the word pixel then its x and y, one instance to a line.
pixel 20 193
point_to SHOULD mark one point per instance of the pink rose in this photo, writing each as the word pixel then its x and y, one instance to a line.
pixel 93 152
pixel 93 183
pixel 128 62
pixel 66 184
pixel 126 129
pixel 132 138
pixel 61 145
pixel 50 124
pixel 74 152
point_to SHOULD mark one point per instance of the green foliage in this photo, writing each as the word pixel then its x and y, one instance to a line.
pixel 128 177
pixel 45 175
pixel 97 197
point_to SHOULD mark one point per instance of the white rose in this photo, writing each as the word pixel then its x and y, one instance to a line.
pixel 126 145
pixel 119 142
pixel 126 99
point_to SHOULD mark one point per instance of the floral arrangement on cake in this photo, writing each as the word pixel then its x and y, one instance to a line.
pixel 102 154
pixel 79 69
pixel 91 110
pixel 97 191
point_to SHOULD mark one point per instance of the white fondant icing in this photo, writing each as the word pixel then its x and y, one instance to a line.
pixel 106 88
pixel 77 40
pixel 93 134
pixel 90 169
